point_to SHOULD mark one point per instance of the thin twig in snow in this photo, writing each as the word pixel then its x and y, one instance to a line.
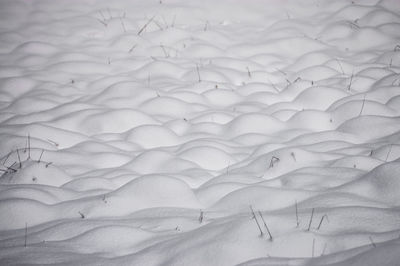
pixel 351 80
pixel 273 85
pixel 26 234
pixel 132 48
pixel 201 217
pixel 145 25
pixel 255 218
pixel 206 26
pixel 19 159
pixel 29 146
pixel 311 218
pixel 122 24
pixel 322 219
pixel 362 106
pixel 41 154
pixel 266 227
pixel 297 216
pixel 165 51
pixel 323 250
pixel 390 150
pixel 372 241
pixel 273 161
pixel 340 65
pixel 102 22
pixel 8 156
pixel 158 24
pixel 198 72
pixel 248 72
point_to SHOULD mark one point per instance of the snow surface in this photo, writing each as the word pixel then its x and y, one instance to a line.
pixel 172 132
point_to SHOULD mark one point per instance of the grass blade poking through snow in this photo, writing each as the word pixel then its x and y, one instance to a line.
pixel 322 219
pixel 362 106
pixel 255 218
pixel 297 216
pixel 311 218
pixel 201 217
pixel 29 146
pixel 273 161
pixel 198 72
pixel 266 227
pixel 19 159
pixel 26 234
pixel 388 154
pixel 145 25
pixel 41 154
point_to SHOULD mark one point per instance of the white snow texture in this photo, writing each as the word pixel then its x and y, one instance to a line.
pixel 183 132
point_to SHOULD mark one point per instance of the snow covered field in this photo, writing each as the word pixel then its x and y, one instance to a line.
pixel 172 132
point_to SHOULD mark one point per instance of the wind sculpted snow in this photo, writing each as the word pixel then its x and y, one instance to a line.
pixel 171 132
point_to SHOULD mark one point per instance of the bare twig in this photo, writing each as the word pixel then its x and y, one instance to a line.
pixel 198 72
pixel 324 249
pixel 255 218
pixel 340 65
pixel 29 146
pixel 158 24
pixel 132 48
pixel 297 216
pixel 41 154
pixel 26 234
pixel 293 156
pixel 11 167
pixel 19 159
pixel 102 22
pixel 201 217
pixel 102 15
pixel 322 219
pixel 122 24
pixel 145 25
pixel 82 215
pixel 248 72
pixel 165 51
pixel 206 26
pixel 311 218
pixel 297 79
pixel 362 106
pixel 266 227
pixel 284 73
pixel 351 80
pixel 273 161
pixel 8 156
pixel 372 241
pixel 53 142
pixel 390 150
pixel 273 85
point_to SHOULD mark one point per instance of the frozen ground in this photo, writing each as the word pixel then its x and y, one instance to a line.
pixel 144 132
